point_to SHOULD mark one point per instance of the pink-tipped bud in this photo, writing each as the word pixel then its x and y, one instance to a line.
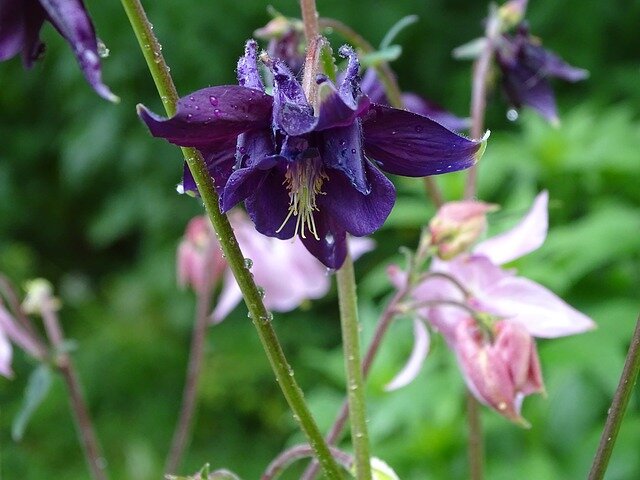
pixel 199 260
pixel 512 13
pixel 500 371
pixel 457 226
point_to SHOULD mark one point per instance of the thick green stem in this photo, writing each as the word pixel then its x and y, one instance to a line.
pixel 618 408
pixel 355 383
pixel 260 316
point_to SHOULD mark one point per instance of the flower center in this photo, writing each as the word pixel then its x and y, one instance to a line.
pixel 304 179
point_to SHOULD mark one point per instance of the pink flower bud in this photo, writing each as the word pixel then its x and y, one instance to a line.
pixel 501 371
pixel 457 226
pixel 199 260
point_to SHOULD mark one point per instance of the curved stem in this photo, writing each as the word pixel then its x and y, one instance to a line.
pixel 65 366
pixel 298 452
pixel 355 381
pixel 481 69
pixel 386 318
pixel 260 316
pixel 390 84
pixel 618 407
pixel 189 395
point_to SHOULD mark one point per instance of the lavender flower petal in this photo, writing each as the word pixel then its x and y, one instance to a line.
pixel 409 144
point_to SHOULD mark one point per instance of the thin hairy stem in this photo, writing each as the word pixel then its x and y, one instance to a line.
pixel 481 69
pixel 84 425
pixel 618 407
pixel 384 322
pixel 190 392
pixel 298 452
pixel 355 380
pixel 260 316
pixel 476 442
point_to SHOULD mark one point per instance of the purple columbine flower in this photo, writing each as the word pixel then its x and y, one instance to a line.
pixel 20 24
pixel 311 171
pixel 526 68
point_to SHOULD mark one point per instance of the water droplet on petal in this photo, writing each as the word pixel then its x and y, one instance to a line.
pixel 213 100
pixel 419 128
pixel 512 115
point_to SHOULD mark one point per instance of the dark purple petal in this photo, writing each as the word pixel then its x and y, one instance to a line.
pixel 242 184
pixel 331 249
pixel 70 18
pixel 248 73
pixel 554 66
pixel 337 110
pixel 219 160
pixel 342 150
pixel 254 146
pixel 20 23
pixel 212 115
pixel 354 212
pixel 417 104
pixel 524 86
pixel 291 111
pixel 409 144
pixel 269 206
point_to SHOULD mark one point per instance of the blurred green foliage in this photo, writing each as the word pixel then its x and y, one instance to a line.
pixel 87 200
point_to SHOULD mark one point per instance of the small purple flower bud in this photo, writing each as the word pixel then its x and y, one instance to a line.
pixel 199 260
pixel 457 226
pixel 500 368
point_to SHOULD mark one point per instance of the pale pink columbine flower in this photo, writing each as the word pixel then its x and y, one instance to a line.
pixel 6 354
pixel 199 260
pixel 286 271
pixel 494 291
pixel 11 331
pixel 500 369
pixel 457 226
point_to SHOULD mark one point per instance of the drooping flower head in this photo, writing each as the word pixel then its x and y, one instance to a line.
pixel 303 170
pixel 513 308
pixel 20 24
pixel 526 68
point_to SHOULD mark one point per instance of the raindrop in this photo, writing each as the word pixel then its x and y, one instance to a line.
pixel 353 150
pixel 512 115
pixel 192 98
pixel 248 263
pixel 419 128
pixel 393 132
pixel 329 239
pixel 213 100
pixel 217 112
pixel 189 116
pixel 261 292
pixel 103 51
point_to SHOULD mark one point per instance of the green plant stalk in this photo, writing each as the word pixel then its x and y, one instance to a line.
pixel 260 316
pixel 355 382
pixel 618 408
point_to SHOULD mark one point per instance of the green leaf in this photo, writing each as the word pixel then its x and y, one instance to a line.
pixel 37 388
pixel 388 54
pixel 393 32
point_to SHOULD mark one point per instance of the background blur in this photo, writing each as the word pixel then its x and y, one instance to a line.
pixel 87 200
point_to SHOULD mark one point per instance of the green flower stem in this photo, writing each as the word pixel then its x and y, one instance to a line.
pixel 355 382
pixel 260 316
pixel 389 83
pixel 476 440
pixel 618 408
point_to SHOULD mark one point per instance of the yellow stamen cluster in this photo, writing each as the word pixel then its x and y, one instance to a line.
pixel 304 181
